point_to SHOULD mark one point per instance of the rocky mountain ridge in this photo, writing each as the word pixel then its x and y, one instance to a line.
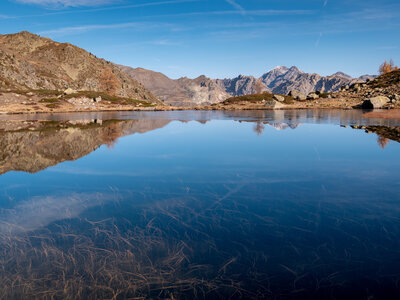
pixel 203 90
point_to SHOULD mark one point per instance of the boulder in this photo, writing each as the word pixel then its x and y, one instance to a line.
pixel 69 91
pixel 297 95
pixel 97 99
pixel 375 102
pixel 312 96
pixel 274 104
pixel 279 98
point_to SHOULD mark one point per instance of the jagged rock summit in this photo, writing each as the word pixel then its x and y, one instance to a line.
pixel 31 62
pixel 282 80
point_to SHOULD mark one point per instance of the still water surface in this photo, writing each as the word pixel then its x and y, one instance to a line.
pixel 183 205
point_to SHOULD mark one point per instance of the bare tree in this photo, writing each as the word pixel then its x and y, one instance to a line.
pixel 387 67
pixel 382 141
pixel 259 128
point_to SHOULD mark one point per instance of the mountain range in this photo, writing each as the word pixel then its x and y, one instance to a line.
pixel 203 90
pixel 30 62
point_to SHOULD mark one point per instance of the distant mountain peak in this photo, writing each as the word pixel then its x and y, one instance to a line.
pixel 341 74
pixel 295 69
pixel 283 68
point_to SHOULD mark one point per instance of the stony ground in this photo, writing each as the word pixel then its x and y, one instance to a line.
pixel 12 102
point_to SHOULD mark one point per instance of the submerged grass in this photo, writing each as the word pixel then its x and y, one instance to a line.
pixel 219 244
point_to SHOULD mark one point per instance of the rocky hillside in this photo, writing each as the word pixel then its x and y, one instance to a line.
pixel 180 92
pixel 203 90
pixel 31 62
pixel 242 85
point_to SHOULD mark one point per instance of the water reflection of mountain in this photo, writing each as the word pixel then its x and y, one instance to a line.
pixel 32 146
pixel 283 126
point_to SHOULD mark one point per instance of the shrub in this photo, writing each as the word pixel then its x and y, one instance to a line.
pixel 49 100
pixel 387 67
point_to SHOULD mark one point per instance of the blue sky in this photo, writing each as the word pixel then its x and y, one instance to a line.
pixel 219 38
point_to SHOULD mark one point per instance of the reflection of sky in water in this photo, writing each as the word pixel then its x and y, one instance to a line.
pixel 314 205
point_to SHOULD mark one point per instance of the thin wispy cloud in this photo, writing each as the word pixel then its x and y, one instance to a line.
pixel 325 3
pixel 318 40
pixel 86 28
pixel 258 13
pixel 236 6
pixel 69 3
pixel 106 8
pixel 38 212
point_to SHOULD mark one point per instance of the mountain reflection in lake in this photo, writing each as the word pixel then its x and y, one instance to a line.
pixel 182 205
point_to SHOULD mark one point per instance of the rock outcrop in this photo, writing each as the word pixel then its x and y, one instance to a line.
pixel 242 85
pixel 375 102
pixel 273 104
pixel 282 80
pixel 297 95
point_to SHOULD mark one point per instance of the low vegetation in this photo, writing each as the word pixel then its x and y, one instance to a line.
pixel 324 95
pixel 108 97
pixel 55 97
pixel 254 98
pixel 43 92
pixel 386 79
pixel 49 100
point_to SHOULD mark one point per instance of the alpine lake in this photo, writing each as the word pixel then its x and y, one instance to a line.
pixel 300 204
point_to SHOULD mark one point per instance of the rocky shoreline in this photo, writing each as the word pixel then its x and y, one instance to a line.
pixel 393 112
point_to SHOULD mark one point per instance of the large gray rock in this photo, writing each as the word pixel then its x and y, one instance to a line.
pixel 297 95
pixel 279 98
pixel 375 102
pixel 312 96
pixel 273 104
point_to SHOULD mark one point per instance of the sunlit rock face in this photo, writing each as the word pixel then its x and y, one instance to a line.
pixel 31 62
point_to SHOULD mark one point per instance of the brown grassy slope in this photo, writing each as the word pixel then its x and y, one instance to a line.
pixel 31 62
pixel 255 98
pixel 386 80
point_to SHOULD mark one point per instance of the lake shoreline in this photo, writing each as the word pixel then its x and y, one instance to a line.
pixel 383 113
